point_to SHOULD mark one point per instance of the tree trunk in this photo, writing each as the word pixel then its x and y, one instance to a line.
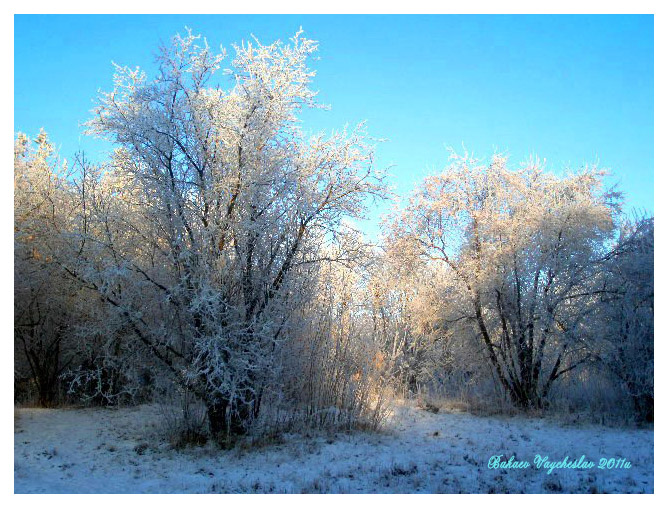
pixel 216 412
pixel 239 418
pixel 228 419
pixel 644 408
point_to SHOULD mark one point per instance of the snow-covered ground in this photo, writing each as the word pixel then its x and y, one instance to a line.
pixel 107 451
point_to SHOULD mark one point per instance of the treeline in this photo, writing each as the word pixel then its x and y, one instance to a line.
pixel 212 259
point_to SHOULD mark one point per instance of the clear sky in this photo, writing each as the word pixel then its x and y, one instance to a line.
pixel 571 89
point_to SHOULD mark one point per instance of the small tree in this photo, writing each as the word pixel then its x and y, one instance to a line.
pixel 521 248
pixel 405 297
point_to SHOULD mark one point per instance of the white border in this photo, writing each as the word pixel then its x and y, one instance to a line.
pixel 342 6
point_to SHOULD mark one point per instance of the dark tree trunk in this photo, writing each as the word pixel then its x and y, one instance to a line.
pixel 47 393
pixel 644 408
pixel 45 375
pixel 239 419
pixel 216 412
pixel 228 420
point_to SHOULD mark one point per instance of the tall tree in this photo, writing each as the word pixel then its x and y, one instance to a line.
pixel 219 200
pixel 521 248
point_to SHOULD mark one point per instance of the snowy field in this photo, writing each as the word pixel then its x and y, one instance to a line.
pixel 113 451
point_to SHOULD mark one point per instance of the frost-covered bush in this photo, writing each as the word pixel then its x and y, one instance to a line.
pixel 335 372
pixel 183 417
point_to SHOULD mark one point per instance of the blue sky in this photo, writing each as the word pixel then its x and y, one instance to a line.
pixel 571 89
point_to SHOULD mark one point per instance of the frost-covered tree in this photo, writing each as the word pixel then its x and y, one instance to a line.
pixel 54 315
pixel 521 249
pixel 44 297
pixel 626 314
pixel 405 297
pixel 213 205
